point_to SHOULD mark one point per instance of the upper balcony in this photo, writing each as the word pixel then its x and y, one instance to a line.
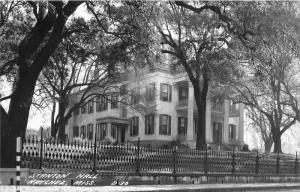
pixel 182 104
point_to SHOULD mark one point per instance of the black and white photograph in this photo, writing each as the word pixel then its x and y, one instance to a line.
pixel 137 95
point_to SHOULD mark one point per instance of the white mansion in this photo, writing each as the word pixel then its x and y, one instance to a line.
pixel 167 113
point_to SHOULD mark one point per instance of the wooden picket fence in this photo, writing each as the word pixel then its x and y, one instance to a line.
pixel 39 154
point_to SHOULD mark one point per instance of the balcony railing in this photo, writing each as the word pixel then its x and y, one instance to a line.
pixel 233 111
pixel 182 103
pixel 217 108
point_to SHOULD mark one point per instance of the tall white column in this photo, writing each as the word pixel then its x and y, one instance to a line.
pixel 241 123
pixel 208 122
pixel 174 125
pixel 226 122
pixel 190 123
pixel 108 131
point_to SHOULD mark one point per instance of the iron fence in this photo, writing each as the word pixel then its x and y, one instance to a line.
pixel 40 153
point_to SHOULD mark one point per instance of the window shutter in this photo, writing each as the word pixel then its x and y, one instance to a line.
pixel 146 124
pixel 170 92
pixel 179 125
pixel 153 91
pixel 153 127
pixel 137 125
pixel 169 126
pixel 161 91
pixel 131 126
pixel 160 124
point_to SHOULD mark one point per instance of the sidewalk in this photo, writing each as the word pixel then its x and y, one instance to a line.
pixel 164 188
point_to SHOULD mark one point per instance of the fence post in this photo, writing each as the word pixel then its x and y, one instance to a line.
pixel 94 155
pixel 296 164
pixel 233 161
pixel 138 157
pixel 277 163
pixel 18 162
pixel 257 163
pixel 206 161
pixel 174 159
pixel 41 150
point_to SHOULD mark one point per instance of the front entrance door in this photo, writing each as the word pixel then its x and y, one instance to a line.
pixel 217 133
pixel 122 134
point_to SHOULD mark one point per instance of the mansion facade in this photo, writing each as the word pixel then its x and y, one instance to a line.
pixel 159 108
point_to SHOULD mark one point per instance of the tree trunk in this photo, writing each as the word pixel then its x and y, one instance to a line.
pixel 268 145
pixel 277 140
pixel 200 97
pixel 34 53
pixel 53 127
pixel 61 132
pixel 201 129
pixel 277 145
pixel 18 114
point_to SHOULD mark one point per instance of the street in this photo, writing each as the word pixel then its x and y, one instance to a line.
pixel 267 187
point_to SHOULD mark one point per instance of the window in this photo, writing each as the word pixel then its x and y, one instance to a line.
pixel 134 126
pixel 101 130
pixel 217 132
pixel 165 92
pixel 182 125
pixel 135 93
pixel 75 131
pixel 98 103
pixel 217 105
pixel 76 111
pixel 101 103
pixel 149 124
pixel 232 131
pixel 123 90
pixel 83 131
pixel 233 107
pixel 113 131
pixel 183 93
pixel 164 125
pixel 150 92
pixel 83 109
pixel 114 100
pixel 91 106
pixel 90 131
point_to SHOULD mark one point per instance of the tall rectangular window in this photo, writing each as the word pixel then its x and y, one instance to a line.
pixel 83 132
pixel 182 126
pixel 114 100
pixel 101 130
pixel 98 103
pixel 150 92
pixel 134 126
pixel 217 105
pixel 183 93
pixel 113 131
pixel 233 107
pixel 91 106
pixel 101 103
pixel 90 131
pixel 232 131
pixel 149 124
pixel 165 92
pixel 135 96
pixel 217 132
pixel 75 131
pixel 76 111
pixel 123 90
pixel 164 124
pixel 83 109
